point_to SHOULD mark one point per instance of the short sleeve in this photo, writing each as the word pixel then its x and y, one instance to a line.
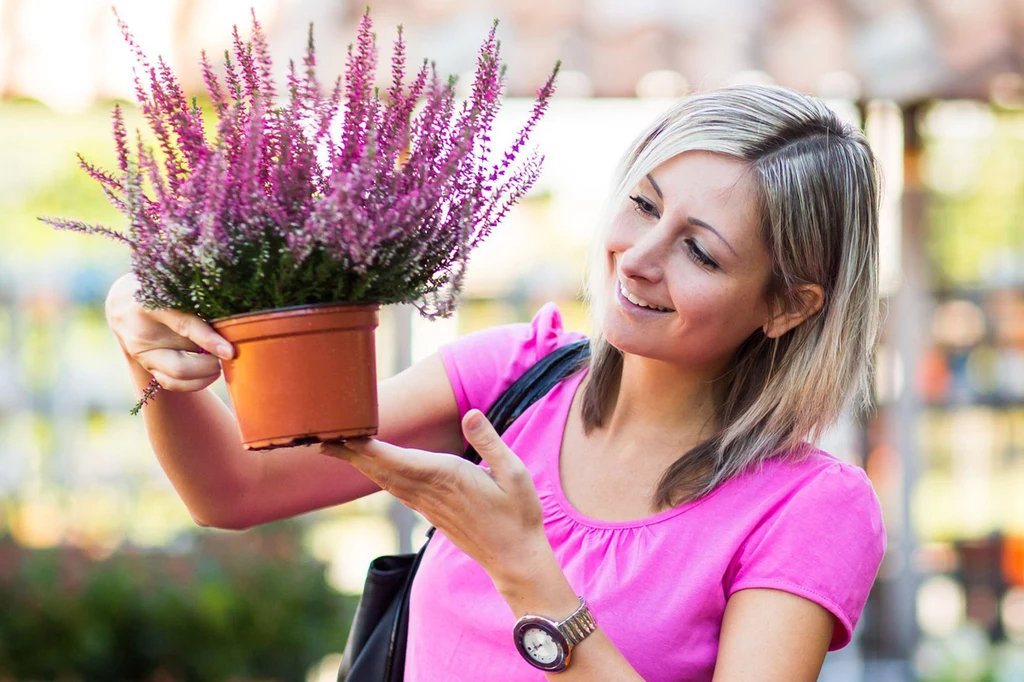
pixel 483 364
pixel 824 542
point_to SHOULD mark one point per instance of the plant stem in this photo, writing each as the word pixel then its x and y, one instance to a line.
pixel 147 395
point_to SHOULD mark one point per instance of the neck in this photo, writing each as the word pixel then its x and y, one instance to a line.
pixel 661 402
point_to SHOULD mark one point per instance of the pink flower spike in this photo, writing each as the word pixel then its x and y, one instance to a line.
pixel 349 195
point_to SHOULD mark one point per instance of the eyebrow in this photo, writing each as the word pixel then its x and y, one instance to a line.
pixel 693 221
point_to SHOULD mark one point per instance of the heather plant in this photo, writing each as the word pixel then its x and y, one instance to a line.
pixel 346 195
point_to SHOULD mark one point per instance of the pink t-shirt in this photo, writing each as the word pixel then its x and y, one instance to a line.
pixel 657 586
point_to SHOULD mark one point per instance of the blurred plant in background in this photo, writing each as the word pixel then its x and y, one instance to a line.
pixel 247 606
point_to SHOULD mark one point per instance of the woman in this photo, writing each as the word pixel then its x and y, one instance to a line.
pixel 667 491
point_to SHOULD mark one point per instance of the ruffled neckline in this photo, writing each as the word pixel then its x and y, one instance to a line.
pixel 564 395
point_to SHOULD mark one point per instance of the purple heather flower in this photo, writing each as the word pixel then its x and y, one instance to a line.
pixel 305 196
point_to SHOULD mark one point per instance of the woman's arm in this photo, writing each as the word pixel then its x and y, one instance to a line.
pixel 196 440
pixel 767 635
pixel 538 586
pixel 772 636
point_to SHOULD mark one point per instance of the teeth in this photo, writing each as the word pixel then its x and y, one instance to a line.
pixel 639 301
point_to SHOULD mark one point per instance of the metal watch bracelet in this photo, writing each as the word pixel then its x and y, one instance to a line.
pixel 578 625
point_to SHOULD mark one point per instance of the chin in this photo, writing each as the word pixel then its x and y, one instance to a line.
pixel 626 338
pixel 620 336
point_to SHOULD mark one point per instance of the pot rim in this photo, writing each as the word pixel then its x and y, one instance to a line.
pixel 295 310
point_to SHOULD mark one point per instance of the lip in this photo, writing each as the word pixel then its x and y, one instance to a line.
pixel 633 308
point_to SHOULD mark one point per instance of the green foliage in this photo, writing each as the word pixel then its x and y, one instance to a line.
pixel 267 277
pixel 240 607
pixel 976 207
pixel 41 177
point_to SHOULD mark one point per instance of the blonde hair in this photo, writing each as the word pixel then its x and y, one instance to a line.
pixel 818 186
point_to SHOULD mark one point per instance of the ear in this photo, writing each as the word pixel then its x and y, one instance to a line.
pixel 800 303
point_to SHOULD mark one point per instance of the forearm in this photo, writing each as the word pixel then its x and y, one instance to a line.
pixel 195 439
pixel 545 591
pixel 597 659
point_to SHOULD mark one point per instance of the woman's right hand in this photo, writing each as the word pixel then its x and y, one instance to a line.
pixel 166 343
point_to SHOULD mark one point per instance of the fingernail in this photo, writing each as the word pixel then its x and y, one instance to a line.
pixel 330 449
pixel 475 421
pixel 224 350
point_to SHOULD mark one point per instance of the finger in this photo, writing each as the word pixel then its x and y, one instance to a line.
pixel 344 449
pixel 503 463
pixel 402 471
pixel 180 371
pixel 180 365
pixel 182 385
pixel 161 337
pixel 196 330
pixel 365 464
pixel 408 462
pixel 338 450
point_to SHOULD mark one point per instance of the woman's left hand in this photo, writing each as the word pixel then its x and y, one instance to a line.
pixel 491 513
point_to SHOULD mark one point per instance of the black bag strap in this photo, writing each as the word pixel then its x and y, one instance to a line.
pixel 534 384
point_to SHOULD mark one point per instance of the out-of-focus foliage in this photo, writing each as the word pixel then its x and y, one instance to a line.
pixel 38 175
pixel 247 606
pixel 975 171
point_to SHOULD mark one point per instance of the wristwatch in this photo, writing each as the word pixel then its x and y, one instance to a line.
pixel 547 644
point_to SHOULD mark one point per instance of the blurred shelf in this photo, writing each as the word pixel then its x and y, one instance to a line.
pixel 992 403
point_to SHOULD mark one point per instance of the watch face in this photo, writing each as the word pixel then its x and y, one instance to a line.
pixel 539 646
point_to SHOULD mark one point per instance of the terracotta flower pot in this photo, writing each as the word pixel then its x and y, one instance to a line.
pixel 302 375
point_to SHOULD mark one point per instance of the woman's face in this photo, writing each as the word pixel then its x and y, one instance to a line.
pixel 685 245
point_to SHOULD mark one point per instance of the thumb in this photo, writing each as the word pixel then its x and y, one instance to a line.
pixel 481 435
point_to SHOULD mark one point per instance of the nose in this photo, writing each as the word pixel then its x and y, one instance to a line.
pixel 641 254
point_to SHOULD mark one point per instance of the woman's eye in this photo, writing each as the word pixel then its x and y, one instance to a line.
pixel 644 207
pixel 698 255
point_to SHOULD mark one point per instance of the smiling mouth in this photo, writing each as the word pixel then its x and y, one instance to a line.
pixel 636 300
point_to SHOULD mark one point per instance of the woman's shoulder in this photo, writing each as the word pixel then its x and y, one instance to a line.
pixel 523 341
pixel 814 528
pixel 482 364
pixel 804 466
pixel 812 487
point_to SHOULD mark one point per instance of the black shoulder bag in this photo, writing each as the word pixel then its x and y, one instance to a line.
pixel 375 651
